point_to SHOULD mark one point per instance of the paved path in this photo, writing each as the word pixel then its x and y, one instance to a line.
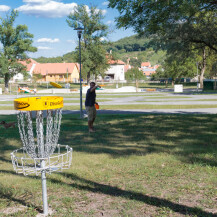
pixel 156 98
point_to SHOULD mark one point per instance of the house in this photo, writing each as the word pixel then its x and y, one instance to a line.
pixel 145 65
pixel 147 69
pixel 58 72
pixel 127 67
pixel 116 70
pixel 148 72
pixel 30 64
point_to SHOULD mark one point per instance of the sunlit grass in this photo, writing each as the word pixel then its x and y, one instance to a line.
pixel 133 165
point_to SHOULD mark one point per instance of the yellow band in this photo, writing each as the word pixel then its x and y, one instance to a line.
pixel 56 85
pixel 38 103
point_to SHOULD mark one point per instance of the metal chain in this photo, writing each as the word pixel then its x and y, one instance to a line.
pixel 31 142
pixel 49 132
pixel 56 129
pixel 40 133
pixel 26 137
pixel 45 146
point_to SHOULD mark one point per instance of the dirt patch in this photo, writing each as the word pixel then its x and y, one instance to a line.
pixel 11 210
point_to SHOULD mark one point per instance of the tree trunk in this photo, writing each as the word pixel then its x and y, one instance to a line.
pixel 88 78
pixel 6 82
pixel 173 83
pixel 203 68
pixel 137 85
pixel 166 81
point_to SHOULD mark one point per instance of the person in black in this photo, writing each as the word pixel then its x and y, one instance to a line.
pixel 90 105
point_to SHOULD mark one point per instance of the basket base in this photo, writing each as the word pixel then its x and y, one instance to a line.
pixel 57 162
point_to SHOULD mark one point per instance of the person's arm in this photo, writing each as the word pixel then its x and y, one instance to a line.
pixel 94 88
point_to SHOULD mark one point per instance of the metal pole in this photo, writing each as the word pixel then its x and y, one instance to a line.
pixel 44 188
pixel 43 171
pixel 81 110
pixel 197 76
pixel 67 77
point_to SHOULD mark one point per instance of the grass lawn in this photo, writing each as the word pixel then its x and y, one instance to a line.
pixel 134 165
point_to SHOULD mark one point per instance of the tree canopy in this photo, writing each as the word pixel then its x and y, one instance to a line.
pixel 93 53
pixel 16 41
pixel 186 20
pixel 181 26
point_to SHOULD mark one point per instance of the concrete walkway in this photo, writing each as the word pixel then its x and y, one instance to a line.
pixel 153 98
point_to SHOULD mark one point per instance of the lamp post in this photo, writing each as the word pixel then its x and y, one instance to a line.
pixel 79 32
pixel 197 75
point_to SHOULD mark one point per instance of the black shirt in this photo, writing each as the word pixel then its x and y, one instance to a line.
pixel 90 98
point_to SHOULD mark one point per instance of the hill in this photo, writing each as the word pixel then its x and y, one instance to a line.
pixel 123 49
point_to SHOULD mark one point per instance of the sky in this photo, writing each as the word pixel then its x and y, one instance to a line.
pixel 46 20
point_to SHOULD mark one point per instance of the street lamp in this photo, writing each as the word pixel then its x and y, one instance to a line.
pixel 197 75
pixel 79 32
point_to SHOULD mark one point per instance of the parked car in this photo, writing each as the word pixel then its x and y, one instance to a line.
pixel 107 78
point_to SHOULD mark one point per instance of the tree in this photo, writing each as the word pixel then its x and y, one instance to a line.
pixel 134 74
pixel 178 25
pixel 175 68
pixel 93 54
pixel 16 41
pixel 167 18
pixel 135 62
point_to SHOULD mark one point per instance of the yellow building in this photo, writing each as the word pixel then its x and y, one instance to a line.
pixel 57 72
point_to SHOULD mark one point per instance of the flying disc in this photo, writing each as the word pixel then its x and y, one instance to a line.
pixel 56 85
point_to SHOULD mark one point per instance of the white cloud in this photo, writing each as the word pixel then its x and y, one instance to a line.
pixel 104 12
pixel 49 40
pixel 71 41
pixel 46 8
pixel 4 8
pixel 105 3
pixel 36 1
pixel 103 39
pixel 109 22
pixel 44 48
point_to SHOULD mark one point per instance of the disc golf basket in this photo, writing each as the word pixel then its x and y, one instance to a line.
pixel 39 120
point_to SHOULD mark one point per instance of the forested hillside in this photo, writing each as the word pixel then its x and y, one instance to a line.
pixel 128 47
pixel 134 46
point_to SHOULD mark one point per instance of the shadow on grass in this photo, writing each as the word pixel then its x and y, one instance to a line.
pixel 95 187
pixel 9 138
pixel 9 194
pixel 191 138
pixel 117 192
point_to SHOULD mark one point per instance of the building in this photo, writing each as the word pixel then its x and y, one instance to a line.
pixel 116 70
pixel 127 67
pixel 145 65
pixel 147 69
pixel 55 72
pixel 30 65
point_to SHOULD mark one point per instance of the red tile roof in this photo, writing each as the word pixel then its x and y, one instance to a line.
pixel 146 64
pixel 28 63
pixel 127 67
pixel 116 62
pixel 156 66
pixel 54 68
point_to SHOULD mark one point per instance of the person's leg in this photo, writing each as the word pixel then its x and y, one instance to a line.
pixel 89 110
pixel 90 126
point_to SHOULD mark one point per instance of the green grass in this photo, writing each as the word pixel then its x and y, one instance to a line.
pixel 134 165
